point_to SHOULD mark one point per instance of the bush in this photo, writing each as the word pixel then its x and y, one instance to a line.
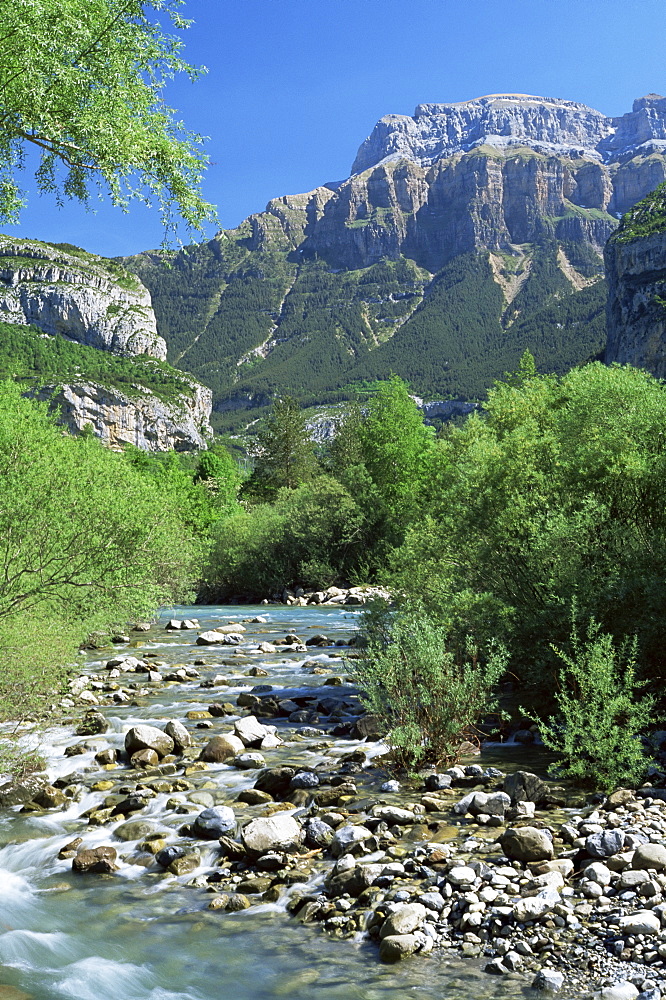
pixel 600 716
pixel 427 693
pixel 308 537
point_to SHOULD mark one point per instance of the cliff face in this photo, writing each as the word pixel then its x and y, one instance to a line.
pixel 465 234
pixel 95 304
pixel 635 262
pixel 143 420
pixel 78 295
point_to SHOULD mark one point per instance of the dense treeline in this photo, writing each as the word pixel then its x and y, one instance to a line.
pixel 448 334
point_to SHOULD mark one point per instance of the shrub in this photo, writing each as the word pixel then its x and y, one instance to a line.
pixel 596 732
pixel 427 693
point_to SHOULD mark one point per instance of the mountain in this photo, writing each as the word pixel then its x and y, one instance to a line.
pixel 636 274
pixel 464 234
pixel 79 331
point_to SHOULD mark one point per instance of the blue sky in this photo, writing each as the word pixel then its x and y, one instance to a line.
pixel 294 86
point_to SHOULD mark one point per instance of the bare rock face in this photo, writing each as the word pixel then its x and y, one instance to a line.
pixel 635 262
pixel 548 125
pixel 78 295
pixel 143 420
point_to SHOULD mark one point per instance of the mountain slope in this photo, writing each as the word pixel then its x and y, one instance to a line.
pixel 463 235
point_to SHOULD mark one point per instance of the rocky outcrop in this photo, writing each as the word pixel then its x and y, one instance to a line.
pixel 548 125
pixel 64 290
pixel 143 420
pixel 635 262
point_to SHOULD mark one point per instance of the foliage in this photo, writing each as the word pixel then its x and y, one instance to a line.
pixel 258 322
pixel 553 493
pixel 82 81
pixel 38 359
pixel 86 544
pixel 203 489
pixel 427 692
pixel 309 536
pixel 283 451
pixel 600 716
pixel 643 219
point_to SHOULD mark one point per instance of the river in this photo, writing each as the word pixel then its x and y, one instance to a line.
pixel 142 934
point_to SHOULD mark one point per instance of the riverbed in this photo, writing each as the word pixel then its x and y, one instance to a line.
pixel 144 934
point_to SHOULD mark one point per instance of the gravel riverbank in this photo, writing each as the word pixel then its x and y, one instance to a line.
pixel 224 774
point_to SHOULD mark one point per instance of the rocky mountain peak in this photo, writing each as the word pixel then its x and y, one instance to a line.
pixel 548 125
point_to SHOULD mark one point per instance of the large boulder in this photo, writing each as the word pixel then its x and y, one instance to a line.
pixel 219 639
pixel 396 946
pixel 649 856
pixel 527 843
pixel 220 748
pixel 99 860
pixel 523 786
pixel 605 844
pixel 212 823
pixel 148 738
pixel 406 919
pixel 279 832
pixel 250 731
pixel 179 734
pixel 275 780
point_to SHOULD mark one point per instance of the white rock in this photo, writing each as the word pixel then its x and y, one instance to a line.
pixel 618 991
pixel 250 731
pixel 598 872
pixel 269 833
pixel 641 922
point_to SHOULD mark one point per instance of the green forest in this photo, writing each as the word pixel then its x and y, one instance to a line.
pixel 253 322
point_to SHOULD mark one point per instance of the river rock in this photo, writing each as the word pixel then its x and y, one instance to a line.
pixel 437 782
pixel 134 830
pixel 250 731
pixel 394 815
pixel 548 980
pixel 275 780
pixel 148 738
pixel 212 823
pixel 523 786
pixel 249 761
pixel 353 881
pixel 406 918
pixel 144 759
pixel 221 748
pixel 396 946
pixel 461 875
pixel 234 629
pixel 212 638
pixel 605 844
pixel 526 843
pixel 598 872
pixel 318 833
pixel 92 724
pixel 618 991
pixel 179 734
pixel 304 779
pixel 50 798
pixel 641 922
pixel 270 833
pixel 169 854
pixel 649 856
pixel 99 860
pixel 347 837
pixel 533 907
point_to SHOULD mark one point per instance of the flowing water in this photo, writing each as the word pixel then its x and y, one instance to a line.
pixel 142 934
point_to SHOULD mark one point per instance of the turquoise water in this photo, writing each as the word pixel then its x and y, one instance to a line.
pixel 144 935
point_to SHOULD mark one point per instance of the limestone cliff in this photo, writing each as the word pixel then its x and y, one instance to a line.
pixel 465 234
pixel 635 260
pixel 143 419
pixel 78 295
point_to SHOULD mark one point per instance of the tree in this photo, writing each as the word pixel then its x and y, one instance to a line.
pixel 82 81
pixel 283 452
